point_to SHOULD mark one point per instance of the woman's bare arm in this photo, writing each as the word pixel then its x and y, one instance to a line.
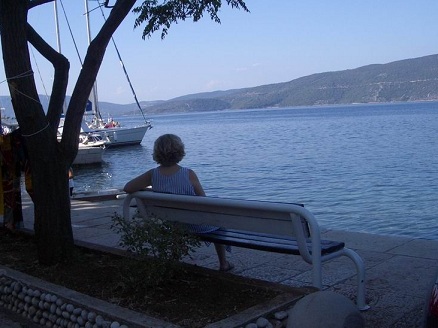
pixel 141 182
pixel 199 191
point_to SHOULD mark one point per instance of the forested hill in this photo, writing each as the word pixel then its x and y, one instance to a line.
pixel 405 80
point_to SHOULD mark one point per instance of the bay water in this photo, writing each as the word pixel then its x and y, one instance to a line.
pixel 367 168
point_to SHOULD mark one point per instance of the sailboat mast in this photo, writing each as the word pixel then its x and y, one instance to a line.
pixel 58 42
pixel 93 95
pixel 87 19
pixel 58 38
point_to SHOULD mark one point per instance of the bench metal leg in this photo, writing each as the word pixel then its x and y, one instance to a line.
pixel 317 273
pixel 360 269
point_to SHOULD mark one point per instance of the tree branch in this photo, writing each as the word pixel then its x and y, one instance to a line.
pixel 35 3
pixel 163 16
pixel 61 67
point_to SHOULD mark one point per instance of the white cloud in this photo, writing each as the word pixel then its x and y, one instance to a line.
pixel 247 68
pixel 120 90
pixel 213 85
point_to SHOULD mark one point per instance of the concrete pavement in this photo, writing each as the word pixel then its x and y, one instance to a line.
pixel 399 270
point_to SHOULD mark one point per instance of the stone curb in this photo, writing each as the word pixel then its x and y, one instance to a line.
pixel 107 310
pixel 116 316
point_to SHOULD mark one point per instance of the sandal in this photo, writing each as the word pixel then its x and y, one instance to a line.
pixel 229 267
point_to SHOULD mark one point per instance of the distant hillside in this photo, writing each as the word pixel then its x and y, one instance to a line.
pixel 405 80
pixel 106 108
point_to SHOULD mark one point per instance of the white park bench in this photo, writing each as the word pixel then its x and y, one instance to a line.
pixel 268 226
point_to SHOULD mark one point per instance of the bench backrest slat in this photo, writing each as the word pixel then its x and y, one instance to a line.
pixel 256 222
pixel 258 216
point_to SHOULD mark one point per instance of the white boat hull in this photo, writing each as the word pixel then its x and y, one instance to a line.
pixel 122 136
pixel 89 155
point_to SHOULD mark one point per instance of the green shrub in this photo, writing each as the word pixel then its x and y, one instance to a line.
pixel 159 245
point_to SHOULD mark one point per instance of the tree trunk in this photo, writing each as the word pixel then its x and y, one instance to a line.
pixel 50 159
pixel 52 211
pixel 47 159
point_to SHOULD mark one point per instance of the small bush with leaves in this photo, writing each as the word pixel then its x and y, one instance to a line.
pixel 159 244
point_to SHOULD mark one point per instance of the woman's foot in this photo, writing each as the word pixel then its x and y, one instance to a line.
pixel 227 267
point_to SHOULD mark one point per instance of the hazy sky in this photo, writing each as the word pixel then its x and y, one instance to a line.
pixel 278 41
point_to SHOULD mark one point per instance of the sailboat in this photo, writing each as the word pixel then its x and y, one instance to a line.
pixel 117 134
pixel 91 145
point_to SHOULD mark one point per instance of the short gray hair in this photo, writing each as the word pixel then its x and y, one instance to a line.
pixel 168 150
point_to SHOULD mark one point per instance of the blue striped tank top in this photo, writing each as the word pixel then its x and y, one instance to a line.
pixel 178 183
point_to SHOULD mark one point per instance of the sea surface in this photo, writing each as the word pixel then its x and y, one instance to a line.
pixel 368 168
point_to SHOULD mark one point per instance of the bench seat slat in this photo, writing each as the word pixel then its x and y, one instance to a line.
pixel 249 235
pixel 265 242
pixel 281 239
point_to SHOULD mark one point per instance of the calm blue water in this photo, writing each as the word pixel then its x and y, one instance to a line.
pixel 371 168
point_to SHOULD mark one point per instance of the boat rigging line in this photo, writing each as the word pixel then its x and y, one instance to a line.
pixel 71 32
pixel 123 66
pixel 105 4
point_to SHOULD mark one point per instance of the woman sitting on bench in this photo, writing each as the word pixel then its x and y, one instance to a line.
pixel 169 177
